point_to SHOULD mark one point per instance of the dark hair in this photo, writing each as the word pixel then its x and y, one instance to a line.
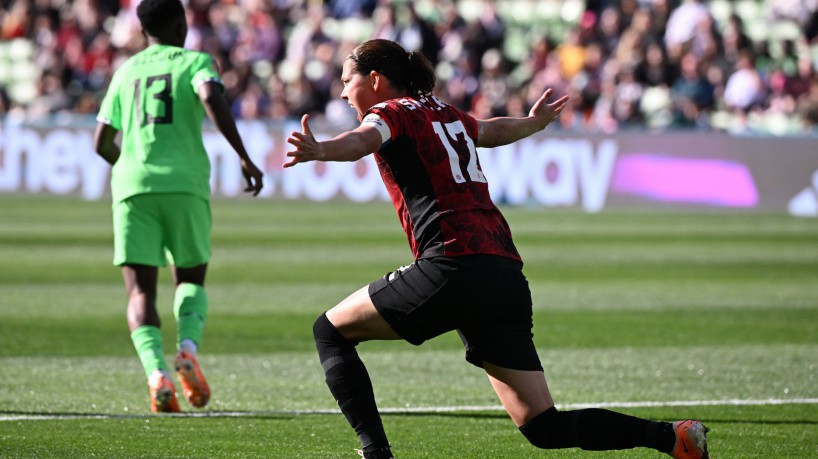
pixel 157 15
pixel 409 71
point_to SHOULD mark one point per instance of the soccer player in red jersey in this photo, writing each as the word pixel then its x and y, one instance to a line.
pixel 467 274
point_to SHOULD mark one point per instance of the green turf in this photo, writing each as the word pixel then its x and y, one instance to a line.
pixel 742 433
pixel 630 307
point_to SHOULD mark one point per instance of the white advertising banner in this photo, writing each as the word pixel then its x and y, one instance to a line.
pixel 552 169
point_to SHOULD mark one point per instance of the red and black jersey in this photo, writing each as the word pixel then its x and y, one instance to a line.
pixel 432 172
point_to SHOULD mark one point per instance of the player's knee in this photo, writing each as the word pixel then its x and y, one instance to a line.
pixel 321 328
pixel 544 431
pixel 325 334
pixel 336 353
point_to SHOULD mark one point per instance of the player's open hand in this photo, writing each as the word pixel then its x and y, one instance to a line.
pixel 548 112
pixel 252 175
pixel 306 147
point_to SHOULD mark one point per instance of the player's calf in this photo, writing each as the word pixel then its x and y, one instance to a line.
pixel 597 430
pixel 349 383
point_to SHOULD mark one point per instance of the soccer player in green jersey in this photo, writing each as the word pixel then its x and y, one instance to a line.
pixel 160 184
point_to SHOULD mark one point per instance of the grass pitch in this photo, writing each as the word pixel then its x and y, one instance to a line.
pixel 667 316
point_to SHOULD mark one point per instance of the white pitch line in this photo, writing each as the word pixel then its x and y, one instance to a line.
pixel 420 409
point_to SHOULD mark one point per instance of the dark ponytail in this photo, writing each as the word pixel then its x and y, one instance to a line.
pixel 422 74
pixel 411 71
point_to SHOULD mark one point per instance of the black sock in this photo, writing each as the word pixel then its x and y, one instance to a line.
pixel 349 383
pixel 597 430
pixel 380 453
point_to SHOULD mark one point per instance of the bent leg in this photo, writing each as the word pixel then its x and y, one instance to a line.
pixel 526 397
pixel 358 320
pixel 524 394
pixel 336 333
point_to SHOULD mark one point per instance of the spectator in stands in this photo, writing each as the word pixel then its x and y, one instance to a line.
pixel 462 85
pixel 96 63
pixel 609 30
pixel 682 26
pixel 634 40
pixel 734 40
pixel 252 103
pixel 418 34
pixel 278 105
pixel 588 83
pixel 52 96
pixel 655 69
pixel 691 92
pixel 493 82
pixel 222 29
pixel 571 54
pixel 16 22
pixel 386 22
pixel 628 94
pixel 743 89
pixel 706 41
pixel 83 41
pixel 603 112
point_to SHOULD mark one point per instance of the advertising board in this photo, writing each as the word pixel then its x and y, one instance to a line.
pixel 671 170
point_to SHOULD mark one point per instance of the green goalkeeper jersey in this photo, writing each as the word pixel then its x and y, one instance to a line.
pixel 153 100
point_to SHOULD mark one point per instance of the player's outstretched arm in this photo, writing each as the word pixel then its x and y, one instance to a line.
pixel 505 130
pixel 219 113
pixel 349 146
pixel 104 143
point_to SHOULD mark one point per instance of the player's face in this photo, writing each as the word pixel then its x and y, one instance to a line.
pixel 358 90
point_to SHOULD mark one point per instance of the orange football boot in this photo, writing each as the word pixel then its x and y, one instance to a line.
pixel 691 440
pixel 163 394
pixel 194 386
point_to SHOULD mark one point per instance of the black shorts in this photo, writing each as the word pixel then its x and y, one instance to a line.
pixel 485 298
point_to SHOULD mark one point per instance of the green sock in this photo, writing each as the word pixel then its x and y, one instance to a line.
pixel 190 310
pixel 147 340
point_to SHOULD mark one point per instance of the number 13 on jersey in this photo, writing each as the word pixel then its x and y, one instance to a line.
pixel 160 99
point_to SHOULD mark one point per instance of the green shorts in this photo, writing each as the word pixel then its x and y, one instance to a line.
pixel 154 229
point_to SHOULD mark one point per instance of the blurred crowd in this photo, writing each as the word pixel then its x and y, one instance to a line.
pixel 746 66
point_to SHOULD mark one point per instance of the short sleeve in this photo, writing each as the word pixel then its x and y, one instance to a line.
pixel 110 109
pixel 472 127
pixel 204 70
